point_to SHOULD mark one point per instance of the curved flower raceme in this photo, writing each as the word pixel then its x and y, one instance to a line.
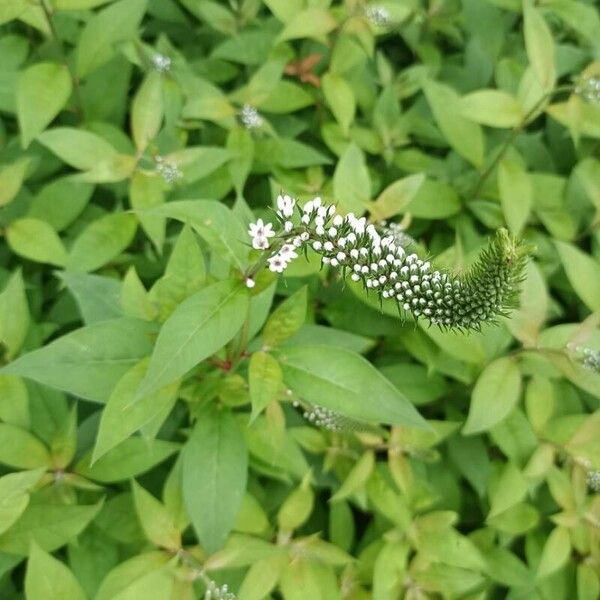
pixel 376 258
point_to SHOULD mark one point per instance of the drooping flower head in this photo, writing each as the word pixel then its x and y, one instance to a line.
pixel 374 258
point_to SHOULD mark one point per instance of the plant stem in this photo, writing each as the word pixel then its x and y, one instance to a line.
pixel 48 13
pixel 513 134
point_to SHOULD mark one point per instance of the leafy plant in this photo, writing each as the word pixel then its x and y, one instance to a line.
pixel 188 410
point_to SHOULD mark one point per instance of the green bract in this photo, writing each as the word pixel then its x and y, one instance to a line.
pixel 299 300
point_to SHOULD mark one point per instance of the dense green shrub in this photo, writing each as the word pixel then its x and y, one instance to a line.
pixel 178 420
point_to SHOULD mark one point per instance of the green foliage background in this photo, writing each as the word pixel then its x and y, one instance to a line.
pixel 152 438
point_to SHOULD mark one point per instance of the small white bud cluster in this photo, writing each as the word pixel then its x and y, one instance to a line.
pixel 250 117
pixel 401 238
pixel 593 481
pixel 323 417
pixel 588 358
pixel 589 89
pixel 377 15
pixel 215 592
pixel 167 170
pixel 384 267
pixel 161 63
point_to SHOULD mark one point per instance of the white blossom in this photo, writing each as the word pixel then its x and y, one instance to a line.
pixel 285 205
pixel 250 117
pixel 377 15
pixel 260 234
pixel 161 63
pixel 169 171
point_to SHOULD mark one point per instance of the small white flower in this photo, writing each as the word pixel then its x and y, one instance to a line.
pixel 377 15
pixel 277 264
pixel 317 246
pixel 305 219
pixel 355 277
pixel 260 242
pixel 250 283
pixel 332 232
pixel 285 205
pixel 304 236
pixel 308 207
pixel 288 226
pixel 288 252
pixel 161 63
pixel 169 171
pixel 250 117
pixel 338 220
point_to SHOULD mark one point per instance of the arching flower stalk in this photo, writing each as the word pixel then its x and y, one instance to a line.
pixel 373 257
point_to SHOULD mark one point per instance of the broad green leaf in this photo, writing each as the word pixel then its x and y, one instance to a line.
pixel 123 415
pixel 50 579
pixel 11 179
pixel 89 361
pixel 21 449
pixel 14 495
pixel 556 552
pixel 77 147
pixel 539 45
pixel 464 136
pixel 147 111
pixel 286 319
pixel 37 241
pixel 134 299
pixel 156 522
pixel 396 197
pixel 285 10
pixel 96 296
pixel 296 508
pixel 14 315
pixel 48 524
pixel 12 9
pixel 265 380
pixel 42 91
pixel 357 477
pixel 516 195
pixel 146 192
pixel 491 107
pixel 14 401
pixel 107 28
pixel 510 490
pixel 340 98
pixel 261 578
pixel 214 222
pixel 215 462
pixel 583 273
pixel 351 181
pixel 308 23
pixel 197 162
pixel 198 327
pixel 495 394
pixel 142 576
pixel 588 582
pixel 129 459
pixel 101 241
pixel 346 383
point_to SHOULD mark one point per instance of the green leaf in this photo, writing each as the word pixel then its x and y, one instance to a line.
pixel 146 192
pixel 351 181
pixel 539 45
pixel 286 319
pixel 89 361
pixel 396 197
pixel 21 449
pixel 157 523
pixel 101 241
pixel 464 136
pixel 510 490
pixel 494 108
pixel 14 495
pixel 346 383
pixel 516 195
pixel 112 25
pixel 495 394
pixel 265 380
pixel 123 415
pixel 308 23
pixel 11 180
pixel 357 477
pixel 50 579
pixel 143 576
pixel 14 401
pixel 129 459
pixel 214 222
pixel 556 552
pixel 96 296
pixel 340 98
pixel 198 327
pixel 37 241
pixel 42 91
pixel 147 111
pixel 215 462
pixel 77 147
pixel 583 273
pixel 48 524
pixel 14 315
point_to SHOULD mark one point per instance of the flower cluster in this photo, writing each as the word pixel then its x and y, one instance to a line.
pixel 161 63
pixel 167 170
pixel 589 359
pixel 373 258
pixel 589 89
pixel 250 117
pixel 216 592
pixel 377 15
pixel 593 481
pixel 331 420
